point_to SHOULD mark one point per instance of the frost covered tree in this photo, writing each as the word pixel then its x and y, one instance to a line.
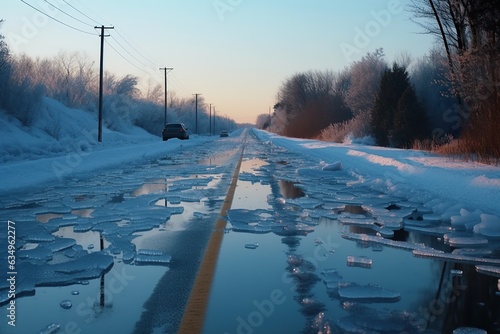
pixel 470 33
pixel 263 121
pixel 309 102
pixel 365 81
pixel 4 68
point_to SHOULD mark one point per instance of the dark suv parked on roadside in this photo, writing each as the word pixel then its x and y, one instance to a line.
pixel 175 130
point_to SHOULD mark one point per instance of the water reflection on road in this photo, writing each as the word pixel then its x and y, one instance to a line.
pixel 304 276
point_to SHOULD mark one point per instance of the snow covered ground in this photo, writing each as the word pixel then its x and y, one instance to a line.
pixel 465 193
pixel 63 143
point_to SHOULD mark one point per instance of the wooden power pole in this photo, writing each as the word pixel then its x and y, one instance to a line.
pixel 99 129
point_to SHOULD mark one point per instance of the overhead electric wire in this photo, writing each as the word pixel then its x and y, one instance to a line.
pixel 88 9
pixel 62 11
pixel 131 55
pixel 79 11
pixel 67 25
pixel 128 61
pixel 125 38
pixel 138 52
pixel 179 84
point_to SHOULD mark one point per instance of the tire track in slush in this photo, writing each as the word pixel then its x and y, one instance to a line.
pixel 194 314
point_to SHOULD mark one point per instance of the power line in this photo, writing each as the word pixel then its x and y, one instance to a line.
pixel 124 58
pixel 83 5
pixel 179 85
pixel 67 25
pixel 79 11
pixel 138 52
pixel 131 55
pixel 62 11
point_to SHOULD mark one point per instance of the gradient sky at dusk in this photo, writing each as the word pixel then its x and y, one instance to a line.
pixel 236 53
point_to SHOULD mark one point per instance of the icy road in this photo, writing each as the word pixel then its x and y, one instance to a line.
pixel 315 237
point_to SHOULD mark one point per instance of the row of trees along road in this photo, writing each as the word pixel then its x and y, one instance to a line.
pixel 72 79
pixel 447 100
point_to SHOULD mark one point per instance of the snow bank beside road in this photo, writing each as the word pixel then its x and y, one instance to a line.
pixel 63 143
pixel 423 177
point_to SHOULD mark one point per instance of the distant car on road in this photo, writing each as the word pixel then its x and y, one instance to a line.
pixel 224 133
pixel 175 130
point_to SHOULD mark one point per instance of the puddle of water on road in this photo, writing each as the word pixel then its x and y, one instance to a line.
pixel 125 289
pixel 300 286
pixel 45 217
pixel 289 190
pixel 89 240
pixel 218 159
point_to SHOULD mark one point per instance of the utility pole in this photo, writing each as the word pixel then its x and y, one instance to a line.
pixel 210 119
pixel 269 127
pixel 196 113
pixel 165 69
pixel 214 119
pixel 99 126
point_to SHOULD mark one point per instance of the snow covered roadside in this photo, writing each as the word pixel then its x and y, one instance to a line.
pixel 63 143
pixel 446 186
pixel 25 174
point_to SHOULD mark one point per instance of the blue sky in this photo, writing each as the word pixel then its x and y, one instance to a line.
pixel 236 53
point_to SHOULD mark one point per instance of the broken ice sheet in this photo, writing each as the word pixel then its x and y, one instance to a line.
pixel 331 278
pixel 364 319
pixel 305 202
pixel 440 255
pixel 488 270
pixel 368 293
pixel 30 275
pixel 359 261
pixel 489 226
pixel 467 241
pixel 152 257
pixel 469 330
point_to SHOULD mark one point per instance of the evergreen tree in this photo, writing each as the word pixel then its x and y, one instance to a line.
pixel 397 117
pixel 410 121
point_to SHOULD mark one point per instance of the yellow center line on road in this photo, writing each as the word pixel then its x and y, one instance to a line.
pixel 194 315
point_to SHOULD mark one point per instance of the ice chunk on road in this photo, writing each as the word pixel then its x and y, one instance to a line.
pixel 30 275
pixel 489 226
pixel 489 270
pixel 466 220
pixel 60 243
pixel 469 330
pixel 440 255
pixel 336 166
pixel 152 256
pixel 40 253
pixel 66 304
pixel 472 252
pixel 364 319
pixel 305 202
pixel 153 252
pixel 467 242
pixel 331 278
pixel 368 294
pixel 359 261
pixel 50 329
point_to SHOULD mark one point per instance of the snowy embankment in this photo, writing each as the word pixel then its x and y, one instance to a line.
pixel 465 194
pixel 62 143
